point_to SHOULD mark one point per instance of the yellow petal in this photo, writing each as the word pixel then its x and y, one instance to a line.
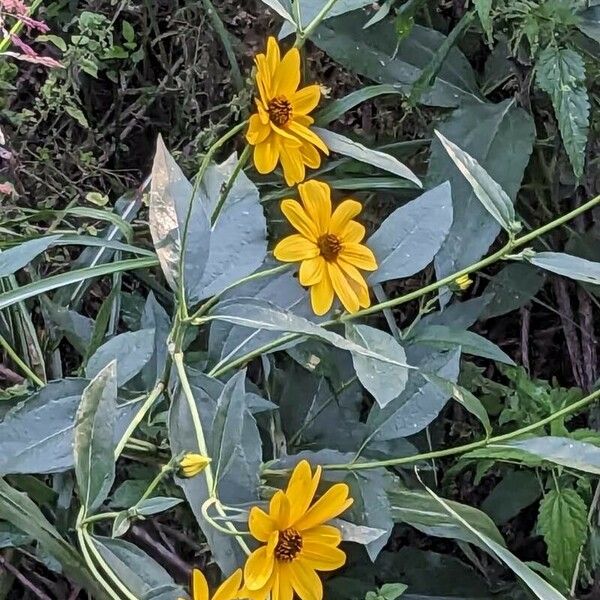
pixel 273 55
pixel 199 585
pixel 306 99
pixel 358 255
pixel 291 141
pixel 316 197
pixel 299 219
pixel 362 292
pixel 306 134
pixel 279 509
pixel 323 534
pixel 257 132
pixel 263 113
pixel 310 156
pixel 230 588
pixel 301 489
pixel 261 524
pixel 282 589
pixel 293 165
pixel 353 232
pixel 272 543
pixel 341 216
pixel 321 295
pixel 266 155
pixel 330 505
pixel 295 248
pixel 305 581
pixel 304 120
pixel 287 76
pixel 258 569
pixel 311 271
pixel 322 557
pixel 263 78
pixel 342 288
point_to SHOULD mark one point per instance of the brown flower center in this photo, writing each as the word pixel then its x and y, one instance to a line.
pixel 330 246
pixel 280 110
pixel 288 546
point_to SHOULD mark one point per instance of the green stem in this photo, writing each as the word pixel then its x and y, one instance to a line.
pixel 21 364
pixel 258 275
pixel 166 469
pixel 241 163
pixel 100 517
pixel 303 35
pixel 393 462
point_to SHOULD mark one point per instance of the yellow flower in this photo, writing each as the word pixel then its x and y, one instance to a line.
pixel 192 464
pixel 328 247
pixel 228 590
pixel 297 543
pixel 280 130
pixel 463 282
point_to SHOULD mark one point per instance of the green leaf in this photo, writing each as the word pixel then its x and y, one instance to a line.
pixel 580 456
pixel 570 266
pixel 420 402
pixel 561 74
pixel 410 237
pixel 158 504
pixel 309 9
pixel 75 327
pixel 534 582
pixel 484 11
pixel 487 191
pixel 430 72
pixel 182 435
pixel 589 22
pixel 279 9
pixel 512 287
pixel 37 434
pixel 101 323
pixel 421 511
pixel 347 147
pixel 337 108
pixel 500 137
pixel 94 439
pixel 384 381
pixel 563 523
pixel 235 446
pixel 16 258
pixel 261 315
pixel 77 113
pixel 516 491
pixel 170 197
pixel 465 398
pixel 141 575
pixel 56 281
pixel 17 508
pixel 156 318
pixel 128 32
pixel 130 351
pixel 376 53
pixel 442 336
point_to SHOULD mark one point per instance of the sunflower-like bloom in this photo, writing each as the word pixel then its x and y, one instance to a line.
pixel 280 130
pixel 297 543
pixel 328 247
pixel 230 589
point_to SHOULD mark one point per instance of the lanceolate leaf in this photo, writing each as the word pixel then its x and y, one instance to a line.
pixel 500 138
pixel 487 191
pixel 484 11
pixel 543 590
pixel 94 438
pixel 16 258
pixel 568 265
pixel 561 74
pixel 563 523
pixel 347 147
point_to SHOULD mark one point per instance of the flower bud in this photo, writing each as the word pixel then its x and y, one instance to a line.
pixel 192 464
